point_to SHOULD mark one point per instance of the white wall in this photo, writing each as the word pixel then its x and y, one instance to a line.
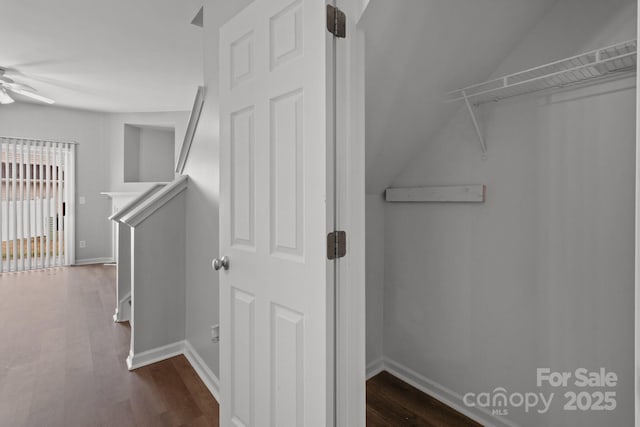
pixel 202 166
pixel 157 159
pixel 202 236
pixel 542 274
pixel 86 128
pixel 157 290
pixel 131 153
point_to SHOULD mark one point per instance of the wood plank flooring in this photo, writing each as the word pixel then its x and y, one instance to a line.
pixel 62 359
pixel 62 363
pixel 392 402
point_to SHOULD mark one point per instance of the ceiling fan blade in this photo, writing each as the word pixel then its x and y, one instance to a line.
pixel 5 79
pixel 18 86
pixel 33 96
pixel 5 98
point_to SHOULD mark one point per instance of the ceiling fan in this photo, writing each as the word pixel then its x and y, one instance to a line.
pixel 9 86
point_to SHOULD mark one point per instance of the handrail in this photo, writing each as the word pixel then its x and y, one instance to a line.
pixel 191 130
pixel 145 209
pixel 135 202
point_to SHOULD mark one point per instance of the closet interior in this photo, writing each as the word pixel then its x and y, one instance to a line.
pixel 500 210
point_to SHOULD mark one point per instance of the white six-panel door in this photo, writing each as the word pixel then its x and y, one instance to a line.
pixel 276 204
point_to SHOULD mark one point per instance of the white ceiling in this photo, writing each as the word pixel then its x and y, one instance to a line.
pixel 109 55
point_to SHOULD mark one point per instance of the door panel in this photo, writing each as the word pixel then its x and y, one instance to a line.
pixel 242 363
pixel 285 30
pixel 243 179
pixel 287 175
pixel 287 354
pixel 241 59
pixel 276 207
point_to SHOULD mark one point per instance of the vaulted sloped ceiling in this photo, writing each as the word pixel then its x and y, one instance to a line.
pixel 417 50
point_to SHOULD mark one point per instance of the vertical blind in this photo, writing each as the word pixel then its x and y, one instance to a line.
pixel 37 224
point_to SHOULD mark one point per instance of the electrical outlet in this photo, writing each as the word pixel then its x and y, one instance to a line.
pixel 215 333
pixel 82 200
pixel 83 243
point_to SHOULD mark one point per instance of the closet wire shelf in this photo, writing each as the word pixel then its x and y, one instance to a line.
pixel 613 62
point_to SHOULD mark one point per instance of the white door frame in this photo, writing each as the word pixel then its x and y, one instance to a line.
pixel 350 304
pixel 637 253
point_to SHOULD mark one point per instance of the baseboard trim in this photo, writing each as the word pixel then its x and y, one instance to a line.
pixel 206 375
pixel 135 361
pixel 419 381
pixel 121 309
pixel 374 368
pixel 210 380
pixel 438 391
pixel 89 261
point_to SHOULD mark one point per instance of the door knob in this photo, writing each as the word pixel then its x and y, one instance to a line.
pixel 220 263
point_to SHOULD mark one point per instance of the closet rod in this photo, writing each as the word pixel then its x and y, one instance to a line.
pixel 613 62
pixel 609 63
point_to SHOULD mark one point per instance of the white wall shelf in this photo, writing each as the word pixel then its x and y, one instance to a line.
pixel 609 63
pixel 438 194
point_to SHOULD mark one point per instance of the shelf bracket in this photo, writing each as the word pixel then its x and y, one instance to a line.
pixel 483 144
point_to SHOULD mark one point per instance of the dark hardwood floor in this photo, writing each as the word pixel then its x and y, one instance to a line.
pixel 62 359
pixel 392 402
pixel 62 363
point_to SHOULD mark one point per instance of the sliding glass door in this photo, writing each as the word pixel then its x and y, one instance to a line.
pixel 37 216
